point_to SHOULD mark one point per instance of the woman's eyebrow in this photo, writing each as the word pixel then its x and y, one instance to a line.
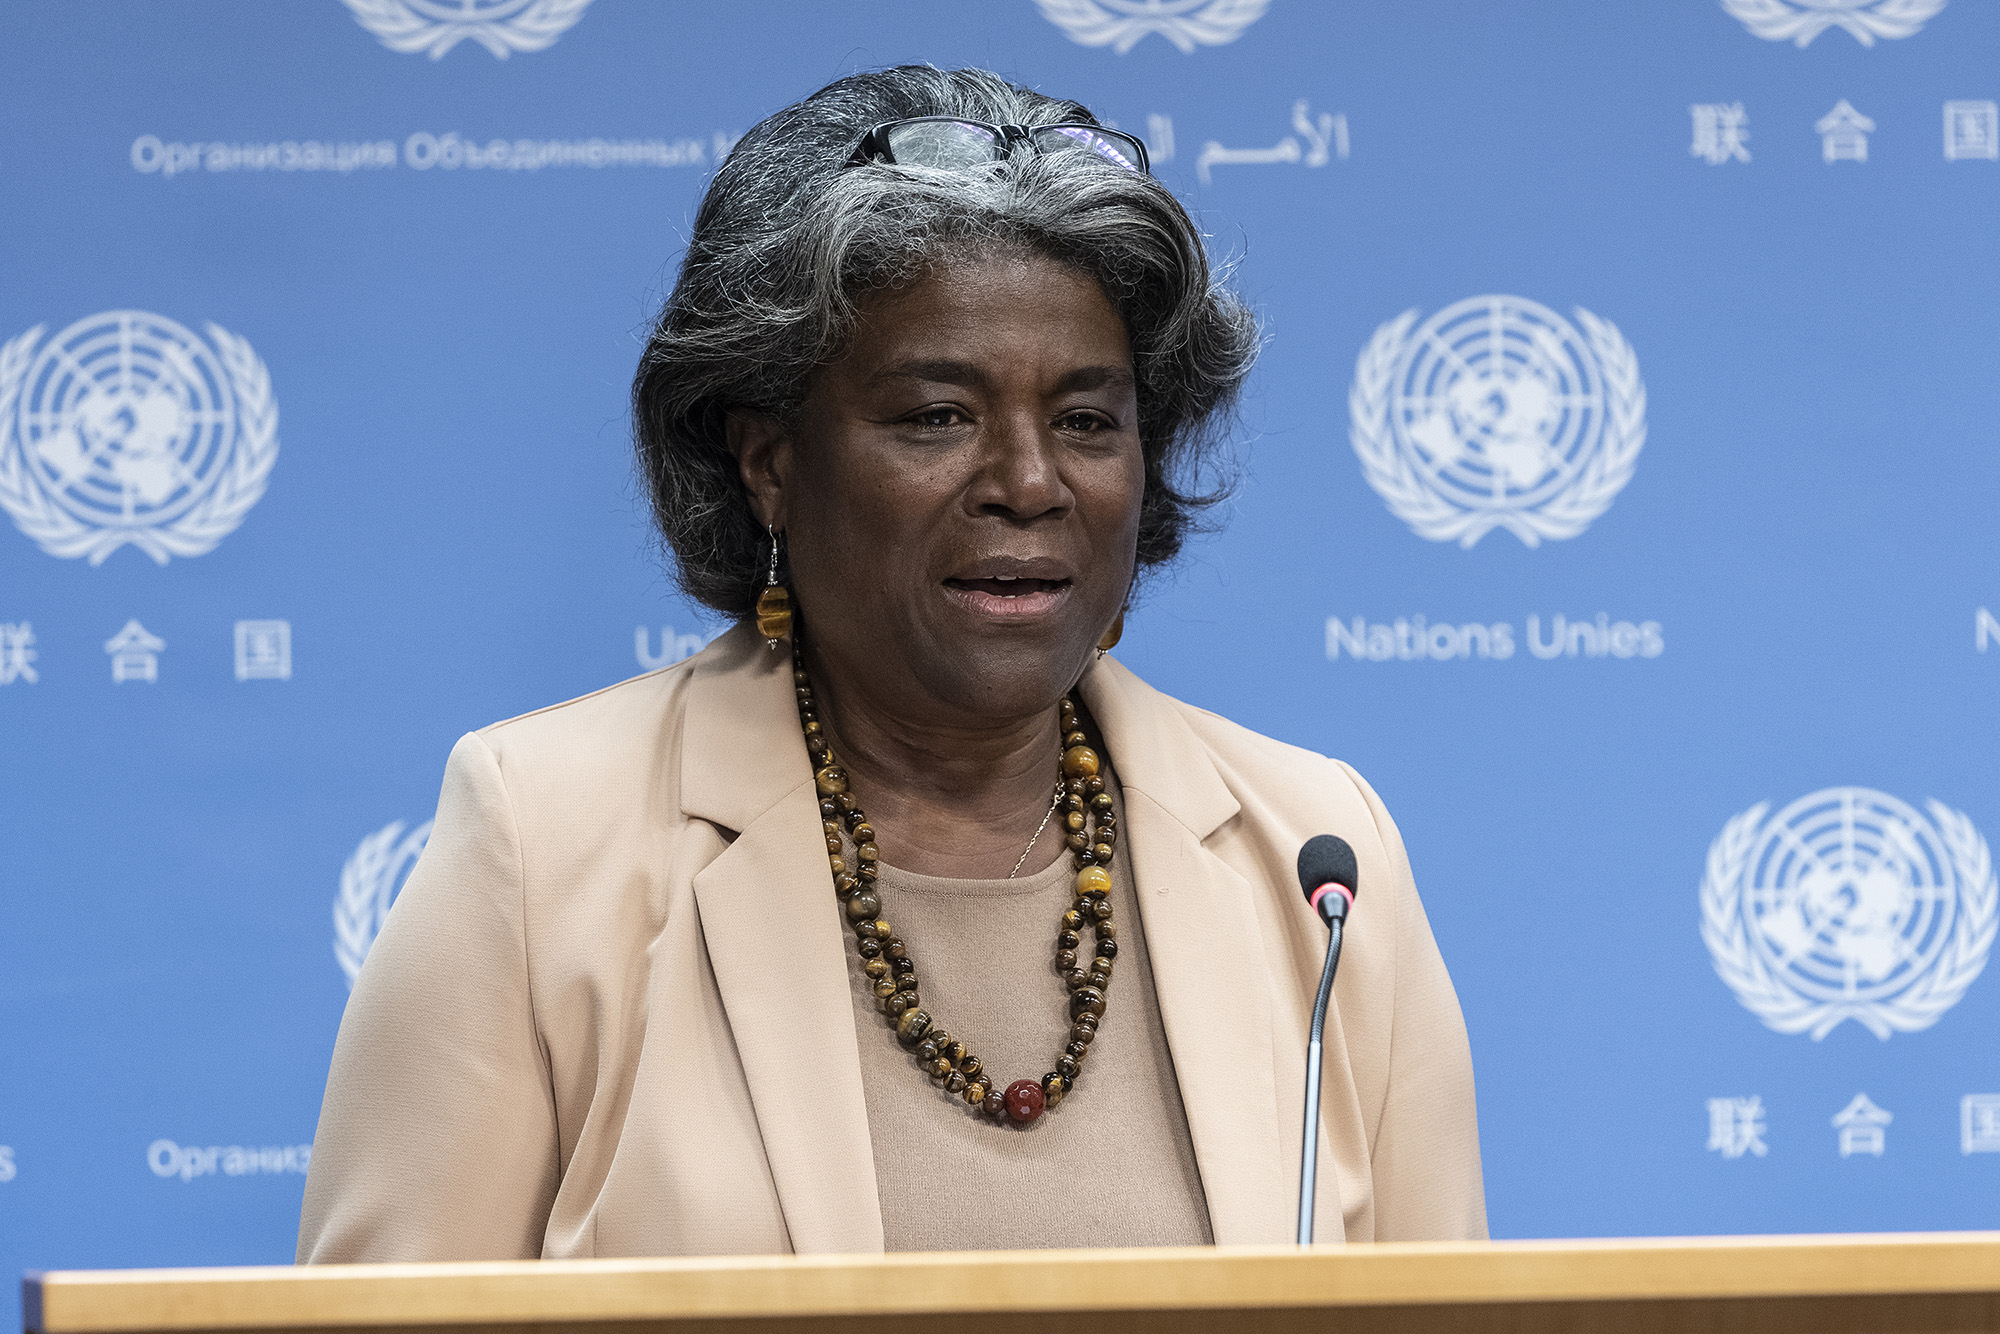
pixel 1096 377
pixel 970 375
pixel 941 371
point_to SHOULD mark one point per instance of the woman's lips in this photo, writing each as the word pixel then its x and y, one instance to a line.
pixel 1009 599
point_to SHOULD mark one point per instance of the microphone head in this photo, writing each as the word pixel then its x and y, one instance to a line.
pixel 1326 861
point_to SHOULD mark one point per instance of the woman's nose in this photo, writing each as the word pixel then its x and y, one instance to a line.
pixel 1019 477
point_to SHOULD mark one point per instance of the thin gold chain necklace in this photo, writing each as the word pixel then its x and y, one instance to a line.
pixel 1048 815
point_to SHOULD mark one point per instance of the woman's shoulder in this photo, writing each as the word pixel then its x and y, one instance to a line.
pixel 611 718
pixel 567 762
pixel 1280 777
pixel 1229 740
pixel 711 719
pixel 628 718
pixel 1243 756
pixel 1270 791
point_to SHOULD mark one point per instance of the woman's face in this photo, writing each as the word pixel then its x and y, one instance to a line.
pixel 960 495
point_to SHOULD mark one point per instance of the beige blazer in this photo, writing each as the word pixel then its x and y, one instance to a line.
pixel 609 1013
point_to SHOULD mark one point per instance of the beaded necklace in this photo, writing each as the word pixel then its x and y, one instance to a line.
pixel 1091 831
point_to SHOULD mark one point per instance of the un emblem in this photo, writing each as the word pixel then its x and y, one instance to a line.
pixel 1122 24
pixel 1799 21
pixel 436 26
pixel 1497 413
pixel 127 428
pixel 369 883
pixel 1849 904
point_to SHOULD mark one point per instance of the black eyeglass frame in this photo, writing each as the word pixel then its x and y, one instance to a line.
pixel 874 145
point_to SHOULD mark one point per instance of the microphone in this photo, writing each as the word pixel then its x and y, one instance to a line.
pixel 1330 880
pixel 1327 874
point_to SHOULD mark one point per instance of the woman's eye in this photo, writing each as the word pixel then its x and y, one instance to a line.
pixel 937 419
pixel 1083 422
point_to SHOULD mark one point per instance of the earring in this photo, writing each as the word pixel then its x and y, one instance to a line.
pixel 1111 636
pixel 774 604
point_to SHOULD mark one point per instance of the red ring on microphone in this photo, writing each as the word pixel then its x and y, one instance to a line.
pixel 1332 886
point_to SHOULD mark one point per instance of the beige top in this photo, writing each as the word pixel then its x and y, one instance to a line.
pixel 608 1014
pixel 1111 1165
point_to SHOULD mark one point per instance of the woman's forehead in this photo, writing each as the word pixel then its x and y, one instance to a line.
pixel 973 309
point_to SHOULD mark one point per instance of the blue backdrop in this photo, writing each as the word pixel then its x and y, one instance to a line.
pixel 1616 496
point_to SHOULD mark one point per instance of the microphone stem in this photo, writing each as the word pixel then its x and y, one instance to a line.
pixel 1309 1153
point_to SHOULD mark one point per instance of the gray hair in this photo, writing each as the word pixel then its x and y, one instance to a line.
pixel 786 240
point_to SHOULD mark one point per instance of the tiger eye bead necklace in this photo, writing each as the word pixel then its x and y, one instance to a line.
pixel 1091 831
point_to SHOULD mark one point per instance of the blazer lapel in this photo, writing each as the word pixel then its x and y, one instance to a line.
pixel 1201 924
pixel 775 945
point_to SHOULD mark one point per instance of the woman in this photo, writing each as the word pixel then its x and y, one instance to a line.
pixel 675 973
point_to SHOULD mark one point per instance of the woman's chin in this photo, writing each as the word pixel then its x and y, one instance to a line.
pixel 1013 655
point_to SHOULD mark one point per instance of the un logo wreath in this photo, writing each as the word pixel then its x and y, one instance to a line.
pixel 1601 432
pixel 1777 998
pixel 369 883
pixel 215 494
pixel 501 26
pixel 1799 21
pixel 1123 24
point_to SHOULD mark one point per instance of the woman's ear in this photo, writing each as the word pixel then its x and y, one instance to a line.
pixel 762 448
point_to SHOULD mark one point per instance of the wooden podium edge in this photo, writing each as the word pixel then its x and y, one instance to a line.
pixel 503 1293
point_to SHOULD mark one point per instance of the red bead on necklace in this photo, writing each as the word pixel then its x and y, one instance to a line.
pixel 1025 1101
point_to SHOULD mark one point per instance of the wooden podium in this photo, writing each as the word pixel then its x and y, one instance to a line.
pixel 1943 1283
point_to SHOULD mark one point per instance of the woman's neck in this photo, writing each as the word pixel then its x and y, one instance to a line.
pixel 947 796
